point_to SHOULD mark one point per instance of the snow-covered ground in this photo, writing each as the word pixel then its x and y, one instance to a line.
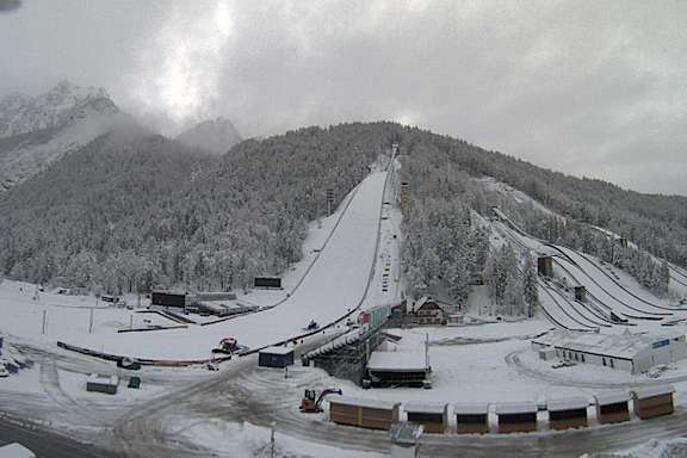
pixel 335 285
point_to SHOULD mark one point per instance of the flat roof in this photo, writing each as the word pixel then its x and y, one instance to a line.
pixel 424 407
pixel 397 361
pixel 98 378
pixel 643 392
pixel 613 397
pixel 277 350
pixel 571 403
pixel 477 408
pixel 508 408
pixel 622 346
pixel 363 402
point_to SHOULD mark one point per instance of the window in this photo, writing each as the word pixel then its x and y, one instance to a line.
pixel 582 356
pixel 604 361
pixel 612 363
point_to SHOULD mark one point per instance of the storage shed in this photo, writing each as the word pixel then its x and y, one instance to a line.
pixel 102 384
pixel 567 413
pixel 398 368
pixel 275 357
pixel 653 401
pixel 517 417
pixel 612 407
pixel 432 416
pixel 364 413
pixel 472 418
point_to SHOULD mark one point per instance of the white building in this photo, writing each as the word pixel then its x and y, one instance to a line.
pixel 632 352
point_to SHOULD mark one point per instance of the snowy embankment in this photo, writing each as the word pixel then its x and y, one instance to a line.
pixel 334 286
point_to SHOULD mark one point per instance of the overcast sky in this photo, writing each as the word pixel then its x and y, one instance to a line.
pixel 586 87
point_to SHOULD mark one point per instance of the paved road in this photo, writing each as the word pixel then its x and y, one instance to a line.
pixel 45 443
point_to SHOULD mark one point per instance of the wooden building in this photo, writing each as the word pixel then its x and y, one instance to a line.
pixel 517 417
pixel 364 413
pixel 612 407
pixel 653 401
pixel 472 418
pixel 568 413
pixel 431 416
pixel 428 312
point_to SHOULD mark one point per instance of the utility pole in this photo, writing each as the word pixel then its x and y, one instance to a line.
pixel 45 323
pixel 426 350
pixel 272 440
pixel 90 321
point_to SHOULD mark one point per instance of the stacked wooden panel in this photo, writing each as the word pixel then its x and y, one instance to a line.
pixel 612 407
pixel 653 401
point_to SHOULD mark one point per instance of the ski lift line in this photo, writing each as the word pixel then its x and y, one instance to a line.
pixel 555 320
pixel 508 234
pixel 673 268
pixel 594 311
pixel 660 307
pixel 603 289
pixel 573 307
pixel 367 286
pixel 678 270
pixel 512 237
pixel 679 282
pixel 674 278
pixel 576 264
pixel 548 314
pixel 565 312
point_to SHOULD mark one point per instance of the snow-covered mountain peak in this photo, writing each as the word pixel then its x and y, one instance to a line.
pixel 38 130
pixel 64 103
pixel 215 136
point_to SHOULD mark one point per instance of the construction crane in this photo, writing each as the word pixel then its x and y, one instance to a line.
pixel 311 403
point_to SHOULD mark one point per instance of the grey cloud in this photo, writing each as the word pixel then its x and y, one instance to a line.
pixel 584 87
pixel 9 5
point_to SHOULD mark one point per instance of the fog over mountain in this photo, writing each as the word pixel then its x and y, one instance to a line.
pixel 594 89
pixel 214 136
pixel 36 131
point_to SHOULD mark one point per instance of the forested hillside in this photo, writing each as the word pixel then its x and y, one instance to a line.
pixel 442 171
pixel 129 211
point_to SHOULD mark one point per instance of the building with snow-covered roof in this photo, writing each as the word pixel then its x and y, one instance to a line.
pixel 472 418
pixel 428 311
pixel 364 412
pixel 398 368
pixel 653 401
pixel 102 383
pixel 612 407
pixel 517 417
pixel 275 357
pixel 632 352
pixel 431 415
pixel 567 413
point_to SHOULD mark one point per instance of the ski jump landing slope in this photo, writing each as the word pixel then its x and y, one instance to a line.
pixel 336 284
